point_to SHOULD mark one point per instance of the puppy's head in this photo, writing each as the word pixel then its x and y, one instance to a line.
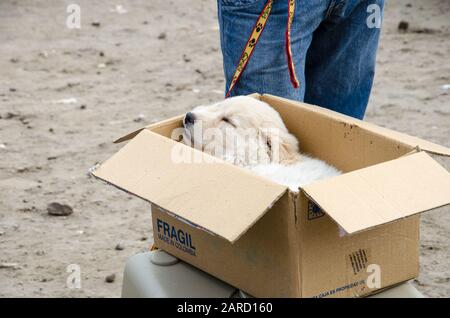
pixel 241 130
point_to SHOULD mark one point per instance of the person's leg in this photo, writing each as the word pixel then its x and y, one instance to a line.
pixel 340 62
pixel 267 70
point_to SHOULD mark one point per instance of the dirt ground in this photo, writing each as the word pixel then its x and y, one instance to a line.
pixel 65 94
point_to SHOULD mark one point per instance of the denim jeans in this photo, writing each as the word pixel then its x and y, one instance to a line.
pixel 333 49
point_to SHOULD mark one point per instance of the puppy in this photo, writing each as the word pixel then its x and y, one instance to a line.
pixel 249 133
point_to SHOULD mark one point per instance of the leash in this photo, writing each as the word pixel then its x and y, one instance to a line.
pixel 253 40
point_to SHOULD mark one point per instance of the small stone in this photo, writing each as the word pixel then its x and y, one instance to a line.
pixel 119 247
pixel 51 130
pixel 10 115
pixel 14 60
pixel 403 26
pixel 186 58
pixel 119 9
pixel 139 118
pixel 95 24
pixel 28 209
pixel 110 278
pixel 12 89
pixel 71 100
pixel 43 54
pixel 162 36
pixel 82 107
pixel 144 238
pixel 57 209
pixel 9 265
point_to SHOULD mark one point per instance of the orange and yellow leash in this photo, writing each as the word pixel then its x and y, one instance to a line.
pixel 253 40
pixel 292 75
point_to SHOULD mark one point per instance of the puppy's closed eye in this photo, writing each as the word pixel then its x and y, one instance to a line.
pixel 228 121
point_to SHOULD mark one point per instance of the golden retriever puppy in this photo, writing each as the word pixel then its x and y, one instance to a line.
pixel 250 133
pixel 241 130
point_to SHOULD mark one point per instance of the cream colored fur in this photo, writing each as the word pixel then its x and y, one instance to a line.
pixel 268 150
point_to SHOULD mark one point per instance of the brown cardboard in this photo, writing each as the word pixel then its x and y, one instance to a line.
pixel 153 176
pixel 382 193
pixel 265 272
pixel 326 257
pixel 405 139
pixel 271 242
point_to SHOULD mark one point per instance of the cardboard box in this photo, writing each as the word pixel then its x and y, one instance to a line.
pixel 271 242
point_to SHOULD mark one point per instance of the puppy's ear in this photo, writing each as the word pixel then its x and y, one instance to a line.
pixel 288 148
pixel 282 146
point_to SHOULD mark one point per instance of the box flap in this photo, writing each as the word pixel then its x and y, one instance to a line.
pixel 403 138
pixel 382 193
pixel 129 136
pixel 215 196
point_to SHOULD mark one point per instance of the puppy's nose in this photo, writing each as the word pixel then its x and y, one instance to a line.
pixel 189 119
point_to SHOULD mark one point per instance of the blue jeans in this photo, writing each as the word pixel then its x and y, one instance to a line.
pixel 333 49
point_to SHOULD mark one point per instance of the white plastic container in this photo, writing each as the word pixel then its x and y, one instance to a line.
pixel 158 274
